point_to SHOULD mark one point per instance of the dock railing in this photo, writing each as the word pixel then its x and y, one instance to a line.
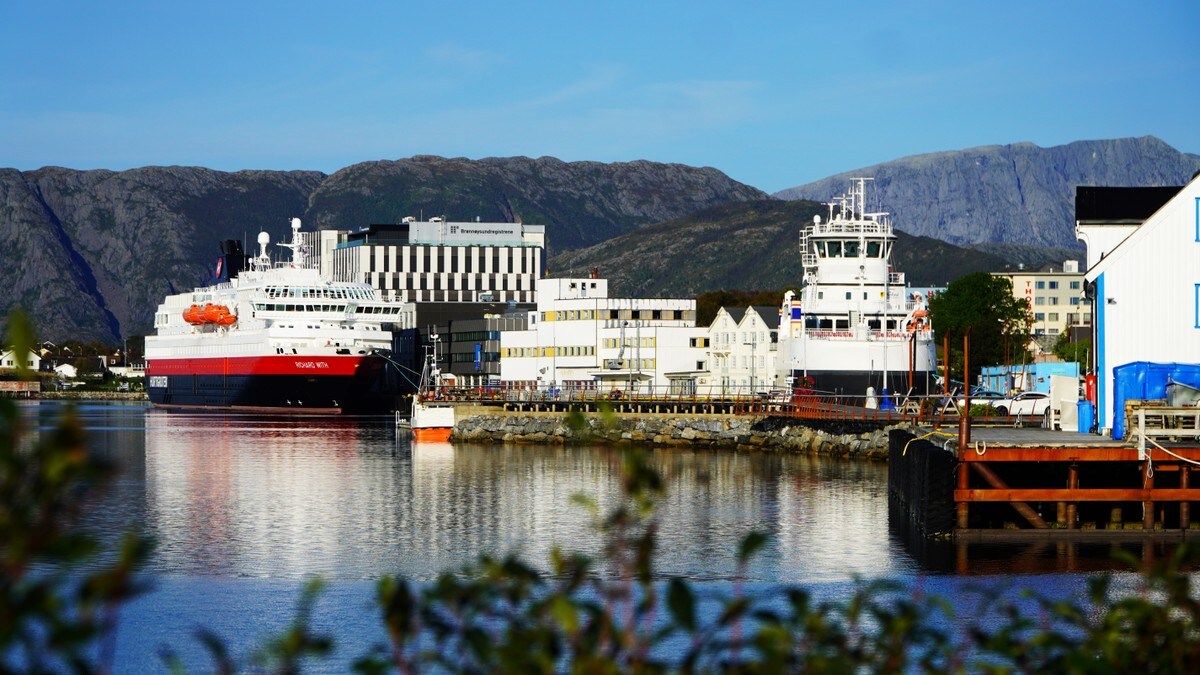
pixel 932 409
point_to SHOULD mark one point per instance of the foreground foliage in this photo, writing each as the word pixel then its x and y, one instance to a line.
pixel 608 615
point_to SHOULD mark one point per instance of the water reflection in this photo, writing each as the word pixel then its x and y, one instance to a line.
pixel 242 495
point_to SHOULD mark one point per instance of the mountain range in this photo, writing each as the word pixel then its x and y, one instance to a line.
pixel 92 253
pixel 1015 194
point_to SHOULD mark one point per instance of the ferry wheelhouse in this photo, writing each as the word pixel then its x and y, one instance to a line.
pixel 855 324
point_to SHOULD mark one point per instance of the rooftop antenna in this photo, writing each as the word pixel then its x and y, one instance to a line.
pixel 297 254
pixel 263 261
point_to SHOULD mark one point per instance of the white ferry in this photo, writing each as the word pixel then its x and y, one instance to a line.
pixel 855 324
pixel 272 336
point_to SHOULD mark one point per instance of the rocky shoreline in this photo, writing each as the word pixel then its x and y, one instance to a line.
pixel 839 439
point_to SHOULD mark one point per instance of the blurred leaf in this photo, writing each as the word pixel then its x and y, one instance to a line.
pixel 682 603
pixel 752 543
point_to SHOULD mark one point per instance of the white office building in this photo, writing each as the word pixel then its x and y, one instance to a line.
pixel 579 338
pixel 438 260
pixel 743 342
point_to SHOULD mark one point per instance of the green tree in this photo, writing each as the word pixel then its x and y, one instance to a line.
pixel 1073 350
pixel 998 321
pixel 709 302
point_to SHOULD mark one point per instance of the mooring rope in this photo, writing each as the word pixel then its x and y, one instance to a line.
pixel 935 432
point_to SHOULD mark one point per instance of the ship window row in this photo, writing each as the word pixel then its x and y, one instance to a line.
pixel 365 309
pixel 853 248
pixel 334 293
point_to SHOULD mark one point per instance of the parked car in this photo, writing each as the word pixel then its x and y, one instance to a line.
pixel 982 397
pixel 1023 404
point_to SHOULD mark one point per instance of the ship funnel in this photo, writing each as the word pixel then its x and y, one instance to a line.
pixel 233 260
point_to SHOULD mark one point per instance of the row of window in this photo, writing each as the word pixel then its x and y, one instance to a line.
pixel 450 282
pixel 475 336
pixel 614 314
pixel 1071 318
pixel 753 337
pixel 525 352
pixel 454 259
pixel 614 343
pixel 821 295
pixel 852 248
pixel 332 292
pixel 1054 284
pixel 1053 300
pixel 727 362
pixel 469 357
pixel 364 309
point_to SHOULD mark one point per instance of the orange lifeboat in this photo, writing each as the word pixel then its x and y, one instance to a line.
pixel 218 314
pixel 194 315
pixel 209 313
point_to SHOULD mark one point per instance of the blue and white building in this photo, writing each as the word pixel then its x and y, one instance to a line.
pixel 1143 278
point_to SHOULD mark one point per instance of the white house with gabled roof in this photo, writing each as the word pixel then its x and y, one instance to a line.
pixel 1146 293
pixel 743 342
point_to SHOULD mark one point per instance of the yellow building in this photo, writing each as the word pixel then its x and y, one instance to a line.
pixel 1054 297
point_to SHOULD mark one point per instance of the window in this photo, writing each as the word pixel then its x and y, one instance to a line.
pixel 1054 299
pixel 1054 316
pixel 1039 316
pixel 1074 300
pixel 1040 285
pixel 835 249
pixel 851 249
pixel 1039 300
pixel 1053 285
pixel 874 246
pixel 1074 285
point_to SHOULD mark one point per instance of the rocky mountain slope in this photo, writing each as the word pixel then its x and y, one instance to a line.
pixel 92 253
pixel 751 245
pixel 581 203
pixel 1018 194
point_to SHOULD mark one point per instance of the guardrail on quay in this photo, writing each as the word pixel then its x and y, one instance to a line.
pixel 933 410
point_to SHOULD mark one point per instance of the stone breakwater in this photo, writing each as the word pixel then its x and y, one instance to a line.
pixel 724 431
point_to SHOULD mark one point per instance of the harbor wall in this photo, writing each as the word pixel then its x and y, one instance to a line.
pixel 845 439
pixel 920 486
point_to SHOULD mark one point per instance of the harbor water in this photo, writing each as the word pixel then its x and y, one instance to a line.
pixel 243 508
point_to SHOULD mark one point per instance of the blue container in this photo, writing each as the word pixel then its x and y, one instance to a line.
pixel 1087 416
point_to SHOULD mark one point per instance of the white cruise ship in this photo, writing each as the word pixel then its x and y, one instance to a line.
pixel 272 336
pixel 855 324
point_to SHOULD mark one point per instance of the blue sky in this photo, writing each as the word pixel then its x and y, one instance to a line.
pixel 775 94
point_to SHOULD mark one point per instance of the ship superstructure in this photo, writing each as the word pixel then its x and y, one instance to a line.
pixel 274 336
pixel 855 324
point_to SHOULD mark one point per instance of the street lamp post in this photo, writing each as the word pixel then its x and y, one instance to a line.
pixel 753 345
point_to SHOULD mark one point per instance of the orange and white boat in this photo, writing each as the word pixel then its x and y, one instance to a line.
pixel 432 419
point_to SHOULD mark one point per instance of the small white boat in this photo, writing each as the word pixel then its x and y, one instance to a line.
pixel 431 419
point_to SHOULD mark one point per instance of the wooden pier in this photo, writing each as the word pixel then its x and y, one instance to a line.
pixel 1010 482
